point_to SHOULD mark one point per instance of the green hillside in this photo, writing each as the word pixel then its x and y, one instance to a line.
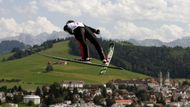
pixel 30 70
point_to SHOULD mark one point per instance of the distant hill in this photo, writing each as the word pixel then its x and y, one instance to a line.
pixel 146 42
pixel 183 42
pixel 33 40
pixel 7 46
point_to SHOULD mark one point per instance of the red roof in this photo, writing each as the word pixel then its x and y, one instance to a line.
pixel 123 101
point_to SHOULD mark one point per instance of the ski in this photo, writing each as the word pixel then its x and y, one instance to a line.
pixel 81 62
pixel 109 57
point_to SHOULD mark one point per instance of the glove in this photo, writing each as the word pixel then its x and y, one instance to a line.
pixel 97 31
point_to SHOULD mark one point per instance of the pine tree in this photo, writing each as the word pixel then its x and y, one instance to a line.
pixel 38 91
pixel 49 67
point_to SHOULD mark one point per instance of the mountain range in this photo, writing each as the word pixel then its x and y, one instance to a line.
pixel 33 40
pixel 183 42
pixel 36 40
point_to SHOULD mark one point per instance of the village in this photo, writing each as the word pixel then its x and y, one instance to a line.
pixel 149 92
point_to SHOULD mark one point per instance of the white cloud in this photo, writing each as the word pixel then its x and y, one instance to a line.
pixel 40 25
pixel 127 30
pixel 176 10
pixel 121 14
pixel 123 17
pixel 9 27
pixel 105 33
pixel 170 32
pixel 64 6
pixel 30 9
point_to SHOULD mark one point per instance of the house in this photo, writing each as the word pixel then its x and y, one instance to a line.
pixel 92 86
pixel 147 104
pixel 131 95
pixel 68 102
pixel 60 62
pixel 174 104
pixel 139 83
pixel 151 82
pixel 124 102
pixel 109 90
pixel 59 105
pixel 93 89
pixel 167 101
pixel 89 104
pixel 117 105
pixel 2 97
pixel 34 98
pixel 73 84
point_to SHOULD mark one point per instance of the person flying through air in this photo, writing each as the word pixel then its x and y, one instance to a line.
pixel 83 32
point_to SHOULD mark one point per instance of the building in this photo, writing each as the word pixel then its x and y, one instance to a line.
pixel 161 79
pixel 124 102
pixel 129 82
pixel 2 97
pixel 109 90
pixel 167 80
pixel 34 98
pixel 59 105
pixel 147 104
pixel 72 84
pixel 174 104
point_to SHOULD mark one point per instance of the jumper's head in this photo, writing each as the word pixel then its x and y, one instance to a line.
pixel 70 21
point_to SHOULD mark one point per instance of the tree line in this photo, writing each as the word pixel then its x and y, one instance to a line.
pixel 20 53
pixel 146 60
pixel 7 45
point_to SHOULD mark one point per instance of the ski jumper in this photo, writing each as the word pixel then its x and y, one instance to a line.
pixel 82 33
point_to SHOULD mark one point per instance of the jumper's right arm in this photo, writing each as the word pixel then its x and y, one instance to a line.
pixel 97 31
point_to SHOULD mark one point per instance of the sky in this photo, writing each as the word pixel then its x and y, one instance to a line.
pixel 165 20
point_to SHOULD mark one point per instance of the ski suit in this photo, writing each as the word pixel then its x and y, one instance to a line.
pixel 82 33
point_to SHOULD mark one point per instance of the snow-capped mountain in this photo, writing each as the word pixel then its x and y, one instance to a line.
pixel 32 40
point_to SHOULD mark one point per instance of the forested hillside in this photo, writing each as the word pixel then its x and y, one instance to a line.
pixel 7 46
pixel 146 60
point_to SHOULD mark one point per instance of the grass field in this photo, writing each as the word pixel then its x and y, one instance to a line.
pixel 30 70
